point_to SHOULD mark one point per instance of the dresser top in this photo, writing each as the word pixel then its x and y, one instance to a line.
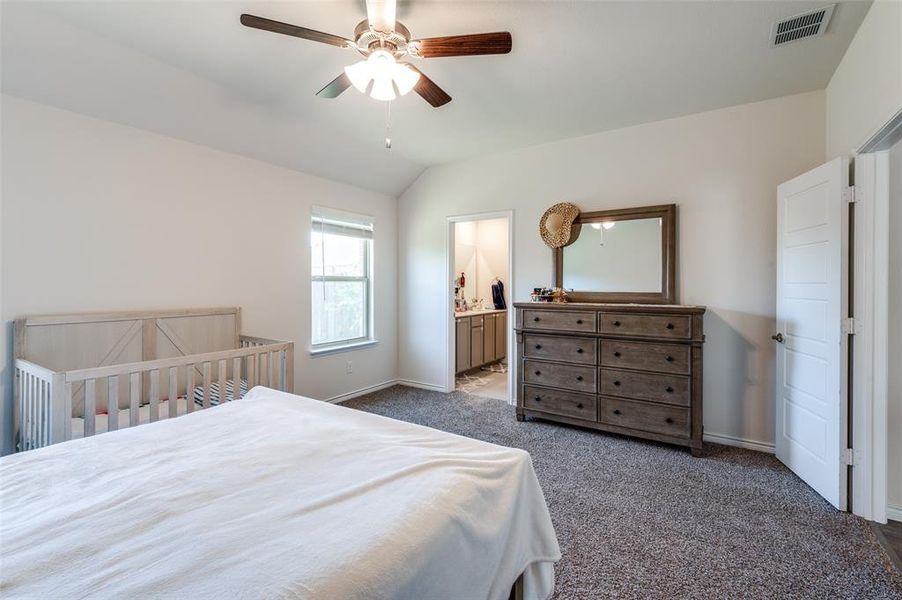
pixel 615 306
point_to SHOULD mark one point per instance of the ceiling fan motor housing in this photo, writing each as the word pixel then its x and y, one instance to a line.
pixel 368 39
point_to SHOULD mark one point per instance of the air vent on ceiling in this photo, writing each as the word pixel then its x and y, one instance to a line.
pixel 810 24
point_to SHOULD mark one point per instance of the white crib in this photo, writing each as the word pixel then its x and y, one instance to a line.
pixel 80 375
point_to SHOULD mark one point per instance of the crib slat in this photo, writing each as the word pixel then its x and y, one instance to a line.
pixel 261 368
pixel 134 398
pixel 222 381
pixel 112 403
pixel 272 371
pixel 29 410
pixel 207 381
pixel 90 406
pixel 45 412
pixel 154 395
pixel 251 371
pixel 173 392
pixel 189 388
pixel 67 410
pixel 236 378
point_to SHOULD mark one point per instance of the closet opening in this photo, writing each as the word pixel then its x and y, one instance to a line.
pixel 479 317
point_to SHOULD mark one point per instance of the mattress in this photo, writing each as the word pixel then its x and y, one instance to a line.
pixel 276 496
pixel 101 421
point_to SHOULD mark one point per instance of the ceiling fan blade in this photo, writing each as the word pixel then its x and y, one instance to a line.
pixel 428 89
pixel 335 87
pixel 498 42
pixel 381 14
pixel 294 30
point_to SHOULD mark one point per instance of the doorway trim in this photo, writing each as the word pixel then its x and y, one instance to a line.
pixel 870 396
pixel 448 306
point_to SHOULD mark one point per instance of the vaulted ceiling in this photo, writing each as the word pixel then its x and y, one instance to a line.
pixel 189 70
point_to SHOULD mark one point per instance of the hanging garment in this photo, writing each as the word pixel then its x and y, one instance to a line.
pixel 498 295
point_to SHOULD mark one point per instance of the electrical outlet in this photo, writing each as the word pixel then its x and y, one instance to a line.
pixel 350 367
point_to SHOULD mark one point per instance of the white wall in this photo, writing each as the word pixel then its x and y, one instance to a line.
pixel 894 460
pixel 721 168
pixel 866 88
pixel 102 216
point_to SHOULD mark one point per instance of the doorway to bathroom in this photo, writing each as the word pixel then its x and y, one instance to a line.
pixel 479 316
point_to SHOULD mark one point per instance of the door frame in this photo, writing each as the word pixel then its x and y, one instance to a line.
pixel 870 366
pixel 448 305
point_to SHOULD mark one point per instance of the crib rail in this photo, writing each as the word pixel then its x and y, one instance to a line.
pixel 45 397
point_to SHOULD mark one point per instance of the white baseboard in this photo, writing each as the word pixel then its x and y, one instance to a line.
pixel 894 512
pixel 729 440
pixel 419 384
pixel 366 390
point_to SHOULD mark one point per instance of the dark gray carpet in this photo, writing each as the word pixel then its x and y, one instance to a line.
pixel 639 519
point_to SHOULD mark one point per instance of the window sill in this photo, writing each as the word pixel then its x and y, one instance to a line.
pixel 345 348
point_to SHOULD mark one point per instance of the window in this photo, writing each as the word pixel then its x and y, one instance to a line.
pixel 342 248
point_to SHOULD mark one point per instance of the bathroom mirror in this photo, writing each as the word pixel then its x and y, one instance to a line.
pixel 625 255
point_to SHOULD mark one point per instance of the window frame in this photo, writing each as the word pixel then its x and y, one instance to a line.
pixel 368 337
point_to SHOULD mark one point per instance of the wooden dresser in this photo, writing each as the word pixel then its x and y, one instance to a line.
pixel 634 369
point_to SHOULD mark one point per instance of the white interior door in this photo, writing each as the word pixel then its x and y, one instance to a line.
pixel 812 345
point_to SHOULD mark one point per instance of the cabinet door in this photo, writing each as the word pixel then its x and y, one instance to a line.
pixel 488 346
pixel 500 336
pixel 476 350
pixel 463 345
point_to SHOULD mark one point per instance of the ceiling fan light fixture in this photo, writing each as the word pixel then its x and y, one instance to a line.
pixel 386 76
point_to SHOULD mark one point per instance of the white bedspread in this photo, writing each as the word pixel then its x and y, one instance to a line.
pixel 273 496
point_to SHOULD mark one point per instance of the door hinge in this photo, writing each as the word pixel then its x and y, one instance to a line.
pixel 848 194
pixel 848 326
pixel 848 457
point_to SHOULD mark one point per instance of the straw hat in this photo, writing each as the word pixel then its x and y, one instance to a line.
pixel 556 224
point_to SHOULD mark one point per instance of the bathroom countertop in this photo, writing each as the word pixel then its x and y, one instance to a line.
pixel 476 313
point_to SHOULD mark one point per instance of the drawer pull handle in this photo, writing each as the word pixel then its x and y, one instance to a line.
pixel 670 326
pixel 617 383
pixel 538 346
pixel 579 321
pixel 580 405
pixel 669 359
pixel 617 355
pixel 579 377
pixel 538 372
pixel 669 420
pixel 579 350
pixel 616 323
pixel 616 411
pixel 536 319
pixel 669 390
pixel 538 398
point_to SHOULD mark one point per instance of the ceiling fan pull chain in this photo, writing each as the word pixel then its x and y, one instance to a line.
pixel 388 125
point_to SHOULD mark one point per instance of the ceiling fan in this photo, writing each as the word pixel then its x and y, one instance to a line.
pixel 383 41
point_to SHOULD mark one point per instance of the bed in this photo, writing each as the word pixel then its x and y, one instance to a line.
pixel 80 375
pixel 274 496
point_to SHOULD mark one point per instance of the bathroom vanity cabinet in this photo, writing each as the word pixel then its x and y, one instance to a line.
pixel 481 338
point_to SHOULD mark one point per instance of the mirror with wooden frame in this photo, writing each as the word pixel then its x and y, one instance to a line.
pixel 624 255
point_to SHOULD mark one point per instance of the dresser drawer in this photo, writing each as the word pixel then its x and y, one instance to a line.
pixel 567 349
pixel 667 420
pixel 560 320
pixel 645 356
pixel 570 377
pixel 677 327
pixel 568 404
pixel 672 389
